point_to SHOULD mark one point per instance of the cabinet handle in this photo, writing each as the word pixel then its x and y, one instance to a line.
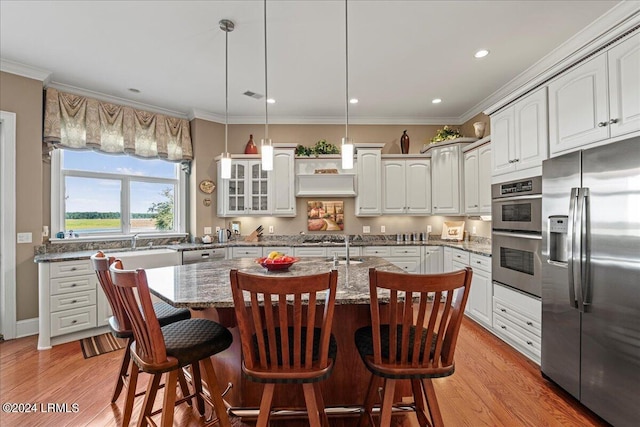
pixel 529 323
pixel 74 268
pixel 529 343
pixel 73 285
pixel 602 124
pixel 503 327
pixel 475 206
pixel 516 160
pixel 504 310
pixel 74 301
pixel 74 321
pixel 478 262
pixel 613 121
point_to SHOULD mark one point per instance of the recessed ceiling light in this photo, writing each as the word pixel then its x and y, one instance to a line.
pixel 481 53
pixel 271 101
pixel 353 100
pixel 436 101
pixel 134 90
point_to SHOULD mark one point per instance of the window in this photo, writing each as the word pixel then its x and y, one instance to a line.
pixel 96 194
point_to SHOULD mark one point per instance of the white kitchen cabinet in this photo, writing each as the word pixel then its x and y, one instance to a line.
pixel 408 258
pixel 314 251
pixel 477 180
pixel 281 179
pixel 480 302
pixel 406 186
pixel 517 320
pixel 246 192
pixel 369 182
pixel 432 260
pixel 519 137
pixel 246 252
pixel 596 100
pixel 446 193
pixel 287 250
pixel 447 259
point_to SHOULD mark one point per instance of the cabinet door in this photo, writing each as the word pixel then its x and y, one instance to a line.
pixel 418 186
pixel 624 86
pixel 480 302
pixel 432 260
pixel 369 198
pixel 471 164
pixel 258 195
pixel 236 191
pixel 484 179
pixel 447 260
pixel 393 187
pixel 282 196
pixel 503 141
pixel 446 180
pixel 531 130
pixel 578 112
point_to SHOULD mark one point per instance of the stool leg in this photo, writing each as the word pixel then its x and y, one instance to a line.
pixel 387 402
pixel 432 402
pixel 184 388
pixel 124 368
pixel 169 401
pixel 312 404
pixel 321 408
pixel 197 386
pixel 215 392
pixel 131 395
pixel 418 398
pixel 265 405
pixel 366 418
pixel 149 399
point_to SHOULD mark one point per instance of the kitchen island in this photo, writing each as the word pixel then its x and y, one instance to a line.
pixel 206 287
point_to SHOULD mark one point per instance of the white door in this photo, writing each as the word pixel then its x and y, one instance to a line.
pixel 471 181
pixel 258 188
pixel 282 179
pixel 480 299
pixel 369 198
pixel 531 130
pixel 393 187
pixel 624 87
pixel 484 178
pixel 503 141
pixel 446 190
pixel 418 186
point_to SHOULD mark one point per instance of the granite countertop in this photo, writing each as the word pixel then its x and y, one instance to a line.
pixel 480 247
pixel 207 284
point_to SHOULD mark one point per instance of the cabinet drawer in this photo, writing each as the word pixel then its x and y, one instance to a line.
pixel 408 265
pixel 405 251
pixel 460 256
pixel 70 268
pixel 342 252
pixel 77 319
pixel 381 251
pixel 523 340
pixel 480 262
pixel 519 303
pixel 517 317
pixel 253 252
pixel 63 285
pixel 310 252
pixel 72 300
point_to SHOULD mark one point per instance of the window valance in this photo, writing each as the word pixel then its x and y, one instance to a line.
pixel 72 121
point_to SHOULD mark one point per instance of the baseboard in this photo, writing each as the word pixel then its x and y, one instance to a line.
pixel 27 327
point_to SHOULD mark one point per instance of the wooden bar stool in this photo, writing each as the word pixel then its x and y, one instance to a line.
pixel 398 346
pixel 157 350
pixel 121 328
pixel 282 343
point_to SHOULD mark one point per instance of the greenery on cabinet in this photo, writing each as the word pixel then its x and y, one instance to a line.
pixel 445 134
pixel 321 147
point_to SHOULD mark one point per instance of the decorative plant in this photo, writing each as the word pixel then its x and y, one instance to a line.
pixel 445 134
pixel 321 147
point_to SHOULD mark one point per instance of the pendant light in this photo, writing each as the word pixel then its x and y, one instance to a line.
pixel 266 145
pixel 225 163
pixel 347 143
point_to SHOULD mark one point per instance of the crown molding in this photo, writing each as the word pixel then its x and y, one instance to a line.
pixel 324 120
pixel 205 115
pixel 115 100
pixel 615 22
pixel 35 73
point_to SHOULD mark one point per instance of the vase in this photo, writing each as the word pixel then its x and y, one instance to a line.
pixel 250 148
pixel 478 128
pixel 404 143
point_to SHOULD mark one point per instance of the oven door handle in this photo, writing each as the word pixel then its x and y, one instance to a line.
pixel 570 249
pixel 519 235
pixel 510 198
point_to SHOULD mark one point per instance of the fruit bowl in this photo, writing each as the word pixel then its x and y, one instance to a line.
pixel 277 264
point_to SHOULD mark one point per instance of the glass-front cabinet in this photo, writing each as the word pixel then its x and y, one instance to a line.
pixel 246 192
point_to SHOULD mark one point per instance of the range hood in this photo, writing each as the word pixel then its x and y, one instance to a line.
pixel 324 176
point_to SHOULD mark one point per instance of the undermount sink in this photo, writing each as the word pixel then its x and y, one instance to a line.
pixel 343 261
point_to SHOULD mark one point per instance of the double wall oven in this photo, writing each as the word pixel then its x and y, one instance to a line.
pixel 516 237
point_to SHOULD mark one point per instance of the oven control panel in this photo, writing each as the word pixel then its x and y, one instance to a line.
pixel 517 187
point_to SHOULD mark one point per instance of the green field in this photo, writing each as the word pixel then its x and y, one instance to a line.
pixel 105 224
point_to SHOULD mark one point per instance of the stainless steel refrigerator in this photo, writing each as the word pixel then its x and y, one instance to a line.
pixel 591 278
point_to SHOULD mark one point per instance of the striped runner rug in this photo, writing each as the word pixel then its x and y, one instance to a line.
pixel 101 344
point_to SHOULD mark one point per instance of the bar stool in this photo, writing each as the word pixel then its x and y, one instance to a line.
pixel 120 327
pixel 281 341
pixel 395 347
pixel 157 350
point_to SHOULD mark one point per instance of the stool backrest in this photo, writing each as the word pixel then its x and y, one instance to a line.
pixel 101 264
pixel 133 290
pixel 267 306
pixel 412 342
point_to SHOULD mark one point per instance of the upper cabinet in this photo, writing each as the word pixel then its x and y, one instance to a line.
pixel 597 100
pixel 477 180
pixel 406 186
pixel 519 137
pixel 283 199
pixel 246 192
pixel 369 178
pixel 446 191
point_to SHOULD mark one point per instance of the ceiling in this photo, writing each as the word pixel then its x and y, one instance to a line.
pixel 402 54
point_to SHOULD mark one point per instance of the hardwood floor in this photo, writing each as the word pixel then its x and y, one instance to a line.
pixel 493 386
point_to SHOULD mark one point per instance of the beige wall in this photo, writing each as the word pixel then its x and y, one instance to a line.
pixel 23 96
pixel 467 127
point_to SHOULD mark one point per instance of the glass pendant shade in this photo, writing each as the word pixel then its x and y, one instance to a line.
pixel 267 155
pixel 347 153
pixel 225 166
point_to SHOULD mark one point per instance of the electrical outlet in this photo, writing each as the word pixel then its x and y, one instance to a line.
pixel 366 229
pixel 207 230
pixel 45 231
pixel 428 229
pixel 271 229
pixel 25 238
pixel 383 229
pixel 473 230
pixel 217 229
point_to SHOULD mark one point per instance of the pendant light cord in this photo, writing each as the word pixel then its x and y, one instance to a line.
pixel 226 87
pixel 266 90
pixel 346 61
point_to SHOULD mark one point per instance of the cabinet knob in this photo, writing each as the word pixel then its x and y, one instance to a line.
pixel 74 301
pixel 503 327
pixel 516 160
pixel 529 343
pixel 74 321
pixel 478 262
pixel 613 121
pixel 73 268
pixel 504 310
pixel 73 285
pixel 529 323
pixel 602 124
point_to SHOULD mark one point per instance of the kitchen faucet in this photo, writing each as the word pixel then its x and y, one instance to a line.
pixel 134 240
pixel 346 244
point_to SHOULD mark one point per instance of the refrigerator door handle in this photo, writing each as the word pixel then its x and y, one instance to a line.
pixel 585 250
pixel 570 249
pixel 578 252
